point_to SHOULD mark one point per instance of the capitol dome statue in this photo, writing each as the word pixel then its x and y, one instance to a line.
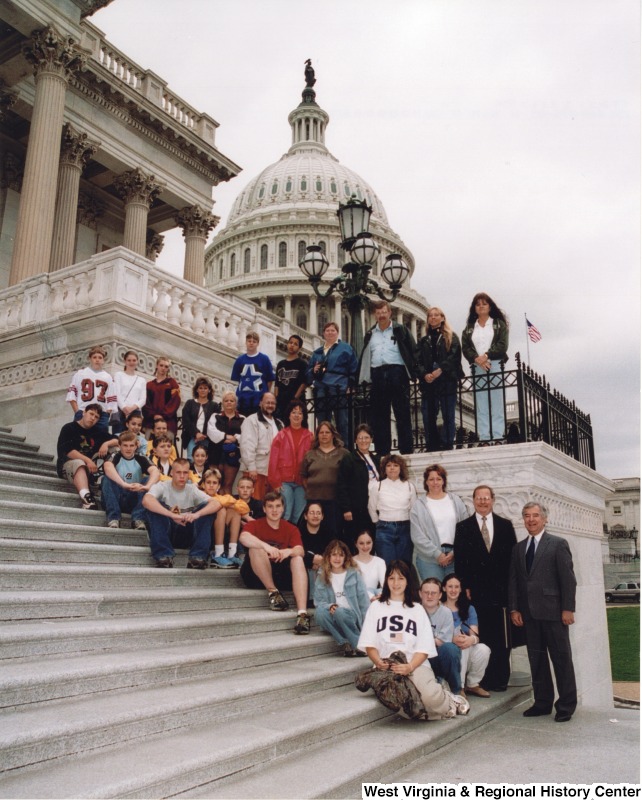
pixel 292 204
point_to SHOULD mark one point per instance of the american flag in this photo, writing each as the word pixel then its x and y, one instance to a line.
pixel 533 334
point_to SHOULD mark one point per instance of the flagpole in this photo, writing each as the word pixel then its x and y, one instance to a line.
pixel 528 346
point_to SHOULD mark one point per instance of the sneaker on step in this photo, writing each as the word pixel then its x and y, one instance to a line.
pixel 113 523
pixel 139 525
pixel 197 563
pixel 236 561
pixel 221 562
pixel 278 602
pixel 302 624
pixel 462 705
pixel 164 563
pixel 89 503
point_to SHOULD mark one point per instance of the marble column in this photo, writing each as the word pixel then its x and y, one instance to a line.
pixel 138 192
pixel 196 224
pixel 75 152
pixel 287 313
pixel 337 313
pixel 55 58
pixel 400 316
pixel 413 327
pixel 313 325
pixel 263 302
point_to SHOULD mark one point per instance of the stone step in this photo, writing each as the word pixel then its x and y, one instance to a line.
pixel 30 736
pixel 45 577
pixel 28 550
pixel 277 724
pixel 9 441
pixel 40 495
pixel 37 512
pixel 27 452
pixel 10 479
pixel 58 532
pixel 4 429
pixel 33 605
pixel 22 639
pixel 29 466
pixel 25 551
pixel 370 754
pixel 25 682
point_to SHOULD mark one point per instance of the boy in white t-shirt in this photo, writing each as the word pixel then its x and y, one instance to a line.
pixel 93 384
pixel 178 508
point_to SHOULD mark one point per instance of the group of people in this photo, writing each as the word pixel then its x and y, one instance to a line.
pixel 344 530
pixel 391 359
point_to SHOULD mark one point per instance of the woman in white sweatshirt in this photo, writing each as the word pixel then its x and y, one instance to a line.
pixel 389 504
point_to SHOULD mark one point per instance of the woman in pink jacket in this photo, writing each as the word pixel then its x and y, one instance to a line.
pixel 286 454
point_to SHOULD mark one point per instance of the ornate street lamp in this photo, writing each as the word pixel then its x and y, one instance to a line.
pixel 354 284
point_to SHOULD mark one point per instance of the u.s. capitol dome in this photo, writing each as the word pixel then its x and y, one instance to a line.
pixel 289 205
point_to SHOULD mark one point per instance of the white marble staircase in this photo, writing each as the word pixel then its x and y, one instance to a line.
pixel 121 680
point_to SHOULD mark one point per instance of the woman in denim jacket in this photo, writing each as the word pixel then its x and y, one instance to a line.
pixel 340 597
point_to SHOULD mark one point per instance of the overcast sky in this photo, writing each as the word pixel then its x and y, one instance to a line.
pixel 501 136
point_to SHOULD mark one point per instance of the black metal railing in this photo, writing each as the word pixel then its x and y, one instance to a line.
pixel 533 412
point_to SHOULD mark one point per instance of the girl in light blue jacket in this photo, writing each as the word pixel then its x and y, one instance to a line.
pixel 340 598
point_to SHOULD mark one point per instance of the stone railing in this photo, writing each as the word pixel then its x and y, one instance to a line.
pixel 118 275
pixel 145 83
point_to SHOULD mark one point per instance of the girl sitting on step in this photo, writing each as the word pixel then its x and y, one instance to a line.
pixel 230 514
pixel 340 597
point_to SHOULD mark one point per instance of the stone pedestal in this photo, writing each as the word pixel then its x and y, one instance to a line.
pixel 574 495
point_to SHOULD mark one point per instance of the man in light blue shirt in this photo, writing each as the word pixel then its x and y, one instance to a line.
pixel 388 362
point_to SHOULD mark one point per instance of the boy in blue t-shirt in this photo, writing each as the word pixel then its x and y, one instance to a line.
pixel 127 477
pixel 255 375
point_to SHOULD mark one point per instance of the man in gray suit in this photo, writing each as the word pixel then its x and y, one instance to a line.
pixel 541 596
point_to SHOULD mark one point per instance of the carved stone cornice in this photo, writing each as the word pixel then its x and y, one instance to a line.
pixel 89 210
pixel 195 221
pixel 12 172
pixel 154 245
pixel 136 187
pixel 76 149
pixel 8 98
pixel 50 51
pixel 89 7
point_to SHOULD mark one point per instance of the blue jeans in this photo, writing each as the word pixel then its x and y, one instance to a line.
pixel 329 400
pixel 431 403
pixel 293 495
pixel 431 569
pixel 447 665
pixel 117 500
pixel 342 625
pixel 162 530
pixel 489 402
pixel 394 542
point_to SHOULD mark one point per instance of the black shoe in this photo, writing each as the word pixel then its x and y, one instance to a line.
pixel 197 563
pixel 88 502
pixel 491 688
pixel 164 563
pixel 302 626
pixel 534 711
pixel 563 716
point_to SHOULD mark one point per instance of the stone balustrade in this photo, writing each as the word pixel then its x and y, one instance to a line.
pixel 146 83
pixel 118 275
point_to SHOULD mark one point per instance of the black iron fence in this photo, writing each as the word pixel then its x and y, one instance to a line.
pixel 533 412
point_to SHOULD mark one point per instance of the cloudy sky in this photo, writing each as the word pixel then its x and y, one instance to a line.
pixel 501 136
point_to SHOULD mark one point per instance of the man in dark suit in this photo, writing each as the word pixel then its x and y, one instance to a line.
pixel 483 546
pixel 542 598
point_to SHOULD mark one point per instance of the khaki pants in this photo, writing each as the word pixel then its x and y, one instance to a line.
pixel 433 695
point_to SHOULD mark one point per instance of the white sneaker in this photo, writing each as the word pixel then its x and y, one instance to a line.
pixel 462 705
pixel 113 523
